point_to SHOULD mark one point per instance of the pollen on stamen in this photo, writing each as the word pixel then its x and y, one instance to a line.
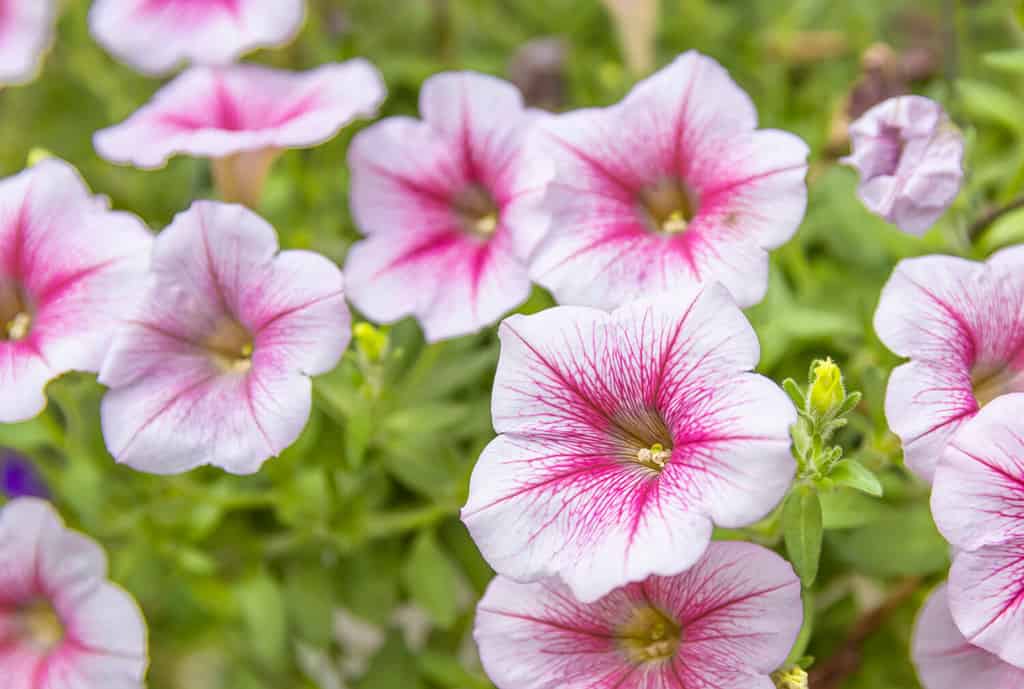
pixel 654 457
pixel 17 328
pixel 486 225
pixel 40 626
pixel 675 223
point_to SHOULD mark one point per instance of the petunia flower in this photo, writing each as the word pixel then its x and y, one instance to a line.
pixel 62 624
pixel 978 504
pixel 215 366
pixel 726 623
pixel 242 117
pixel 624 438
pixel 68 272
pixel 449 205
pixel 156 36
pixel 910 159
pixel 19 478
pixel 671 187
pixel 946 660
pixel 961 323
pixel 26 31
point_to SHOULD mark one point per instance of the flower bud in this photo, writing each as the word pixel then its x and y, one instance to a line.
pixel 827 392
pixel 370 341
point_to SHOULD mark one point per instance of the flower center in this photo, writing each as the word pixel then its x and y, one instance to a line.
pixel 649 636
pixel 477 211
pixel 15 316
pixel 39 625
pixel 654 457
pixel 231 346
pixel 669 206
pixel 643 437
pixel 989 383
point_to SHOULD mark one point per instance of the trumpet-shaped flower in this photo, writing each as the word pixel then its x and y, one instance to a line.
pixel 961 323
pixel 449 207
pixel 978 503
pixel 69 269
pixel 241 117
pixel 910 159
pixel 623 438
pixel 726 623
pixel 62 624
pixel 26 29
pixel 946 660
pixel 671 187
pixel 155 36
pixel 215 366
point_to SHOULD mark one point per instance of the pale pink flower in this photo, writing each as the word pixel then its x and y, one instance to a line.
pixel 910 159
pixel 242 117
pixel 726 623
pixel 961 323
pixel 26 30
pixel 946 660
pixel 624 438
pixel 449 207
pixel 215 367
pixel 62 624
pixel 156 36
pixel 673 186
pixel 978 504
pixel 69 270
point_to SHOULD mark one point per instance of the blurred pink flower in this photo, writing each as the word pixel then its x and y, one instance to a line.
pixel 673 186
pixel 68 271
pixel 26 30
pixel 946 660
pixel 978 503
pixel 449 204
pixel 62 624
pixel 624 438
pixel 215 368
pixel 909 156
pixel 156 36
pixel 242 117
pixel 961 323
pixel 726 623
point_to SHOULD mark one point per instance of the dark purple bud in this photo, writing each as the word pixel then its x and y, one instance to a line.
pixel 19 478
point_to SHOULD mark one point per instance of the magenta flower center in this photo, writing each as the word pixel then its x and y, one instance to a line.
pixel 15 314
pixel 477 211
pixel 668 206
pixel 231 346
pixel 649 636
pixel 643 437
pixel 38 625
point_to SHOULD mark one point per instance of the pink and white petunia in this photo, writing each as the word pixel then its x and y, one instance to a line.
pixel 242 117
pixel 728 623
pixel 910 158
pixel 26 30
pixel 449 205
pixel 961 323
pixel 978 504
pixel 624 438
pixel 671 187
pixel 215 366
pixel 946 660
pixel 69 270
pixel 156 36
pixel 62 624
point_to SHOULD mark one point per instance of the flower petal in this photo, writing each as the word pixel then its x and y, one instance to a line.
pixel 26 30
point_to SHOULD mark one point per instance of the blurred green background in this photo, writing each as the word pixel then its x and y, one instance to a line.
pixel 343 563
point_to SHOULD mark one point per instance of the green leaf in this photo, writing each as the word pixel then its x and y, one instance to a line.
pixel 448 672
pixel 429 578
pixel 391 668
pixel 309 595
pixel 990 103
pixel 794 392
pixel 263 611
pixel 853 474
pixel 845 508
pixel 906 543
pixel 801 523
pixel 1011 61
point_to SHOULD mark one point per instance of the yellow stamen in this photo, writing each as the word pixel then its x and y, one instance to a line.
pixel 486 225
pixel 40 625
pixel 17 327
pixel 675 223
pixel 654 457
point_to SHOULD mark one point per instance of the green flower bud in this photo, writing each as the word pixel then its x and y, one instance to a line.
pixel 371 342
pixel 827 392
pixel 793 678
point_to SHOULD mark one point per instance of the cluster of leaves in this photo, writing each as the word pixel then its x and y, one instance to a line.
pixel 343 562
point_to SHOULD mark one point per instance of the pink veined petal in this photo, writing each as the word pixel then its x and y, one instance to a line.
pixel 26 31
pixel 946 660
pixel 20 665
pixel 22 369
pixel 22 525
pixel 108 625
pixel 986 593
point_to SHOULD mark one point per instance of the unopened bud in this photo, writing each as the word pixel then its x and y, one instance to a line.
pixel 371 342
pixel 827 391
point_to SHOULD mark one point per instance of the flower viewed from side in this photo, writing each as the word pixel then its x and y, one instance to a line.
pixel 910 158
pixel 26 30
pixel 727 623
pixel 215 367
pixel 62 624
pixel 978 504
pixel 961 323
pixel 19 478
pixel 156 36
pixel 673 186
pixel 946 660
pixel 69 269
pixel 624 438
pixel 242 117
pixel 449 205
